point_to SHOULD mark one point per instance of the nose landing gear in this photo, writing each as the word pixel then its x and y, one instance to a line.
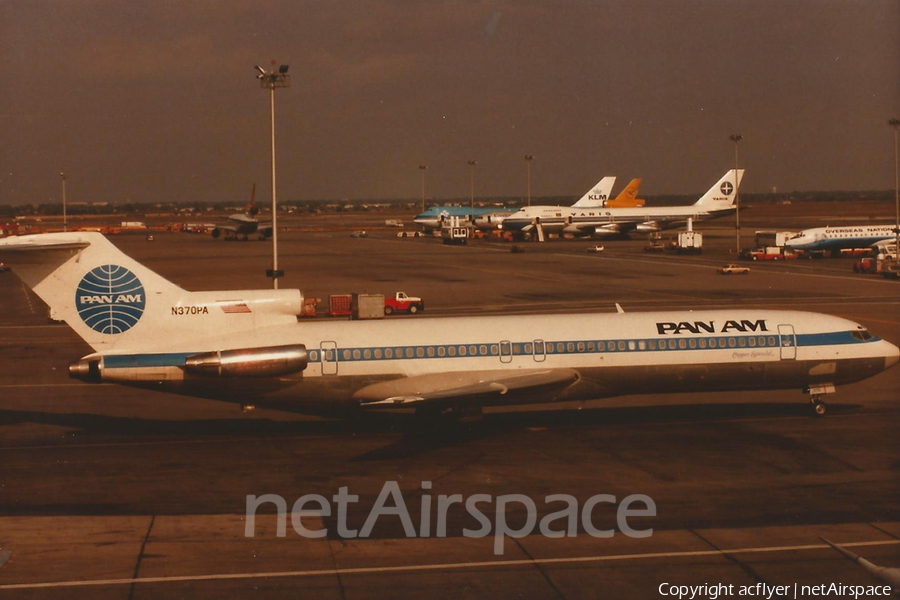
pixel 819 407
pixel 815 397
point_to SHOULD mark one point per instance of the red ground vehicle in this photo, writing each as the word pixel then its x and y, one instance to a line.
pixel 768 253
pixel 403 303
pixel 866 265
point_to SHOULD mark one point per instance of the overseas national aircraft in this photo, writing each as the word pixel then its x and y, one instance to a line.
pixel 249 347
pixel 610 221
pixel 846 236
pixel 247 223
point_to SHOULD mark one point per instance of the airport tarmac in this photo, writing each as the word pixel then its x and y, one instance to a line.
pixel 109 492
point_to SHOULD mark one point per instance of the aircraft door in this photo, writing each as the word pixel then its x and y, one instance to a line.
pixel 788 342
pixel 540 351
pixel 505 351
pixel 329 358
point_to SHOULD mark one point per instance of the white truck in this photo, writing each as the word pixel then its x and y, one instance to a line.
pixel 689 242
pixel 773 238
pixel 393 223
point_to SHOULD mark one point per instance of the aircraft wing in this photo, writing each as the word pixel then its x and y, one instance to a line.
pixel 229 228
pixel 476 387
pixel 265 230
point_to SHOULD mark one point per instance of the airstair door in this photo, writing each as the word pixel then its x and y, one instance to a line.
pixel 788 342
pixel 329 358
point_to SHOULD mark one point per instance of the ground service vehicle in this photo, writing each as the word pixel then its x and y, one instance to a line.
pixel 358 234
pixel 403 303
pixel 767 253
pixel 866 265
pixel 734 270
pixel 773 238
pixel 597 249
pixel 689 242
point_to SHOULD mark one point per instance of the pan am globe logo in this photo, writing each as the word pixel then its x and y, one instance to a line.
pixel 110 299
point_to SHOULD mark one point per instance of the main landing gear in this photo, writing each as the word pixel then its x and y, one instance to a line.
pixel 815 397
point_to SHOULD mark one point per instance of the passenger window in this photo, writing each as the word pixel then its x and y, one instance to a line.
pixel 672 344
pixel 473 351
pixel 590 346
pixel 731 343
pixel 692 343
pixel 581 346
pixel 409 353
pixel 495 350
pixel 570 347
pixel 367 354
pixel 642 345
pixel 442 351
pixel 388 353
pixel 377 353
pixel 742 342
pixel 712 342
pixel 314 356
pixel 702 342
pixel 430 352
pixel 631 345
pixel 653 344
pixel 420 352
pixel 346 355
pixel 462 350
pixel 560 347
pixel 752 342
pixel 681 344
pixel 356 355
pixel 621 346
pixel 451 350
pixel 483 350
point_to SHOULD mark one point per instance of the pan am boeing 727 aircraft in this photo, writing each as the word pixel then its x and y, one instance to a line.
pixel 250 347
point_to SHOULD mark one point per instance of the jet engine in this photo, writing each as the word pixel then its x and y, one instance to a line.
pixel 249 362
pixel 647 227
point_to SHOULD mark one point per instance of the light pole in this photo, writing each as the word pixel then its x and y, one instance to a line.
pixel 422 169
pixel 528 159
pixel 472 164
pixel 895 123
pixel 271 80
pixel 737 197
pixel 65 220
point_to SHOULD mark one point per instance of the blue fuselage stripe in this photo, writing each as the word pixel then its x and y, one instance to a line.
pixel 671 343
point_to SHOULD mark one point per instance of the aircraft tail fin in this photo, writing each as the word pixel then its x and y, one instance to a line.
pixel 118 305
pixel 597 195
pixel 721 196
pixel 251 208
pixel 627 198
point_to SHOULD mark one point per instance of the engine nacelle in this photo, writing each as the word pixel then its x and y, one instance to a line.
pixel 607 231
pixel 648 227
pixel 272 361
pixel 249 362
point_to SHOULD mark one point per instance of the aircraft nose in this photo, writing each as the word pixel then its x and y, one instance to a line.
pixel 892 356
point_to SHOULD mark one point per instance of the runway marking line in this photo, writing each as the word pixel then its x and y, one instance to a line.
pixel 437 567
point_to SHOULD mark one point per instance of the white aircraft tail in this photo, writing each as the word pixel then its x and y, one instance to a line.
pixel 598 195
pixel 117 304
pixel 721 196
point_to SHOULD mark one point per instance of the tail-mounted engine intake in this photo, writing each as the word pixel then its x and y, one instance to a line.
pixel 250 362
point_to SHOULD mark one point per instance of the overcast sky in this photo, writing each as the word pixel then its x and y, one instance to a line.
pixel 157 100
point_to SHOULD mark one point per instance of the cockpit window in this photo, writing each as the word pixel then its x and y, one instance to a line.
pixel 862 335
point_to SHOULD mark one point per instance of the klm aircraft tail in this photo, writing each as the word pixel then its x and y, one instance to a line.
pixel 118 305
pixel 598 195
pixel 721 196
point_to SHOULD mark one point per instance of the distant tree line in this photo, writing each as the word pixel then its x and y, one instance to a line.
pixel 49 209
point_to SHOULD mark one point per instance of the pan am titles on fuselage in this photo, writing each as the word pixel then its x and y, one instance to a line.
pixel 249 347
